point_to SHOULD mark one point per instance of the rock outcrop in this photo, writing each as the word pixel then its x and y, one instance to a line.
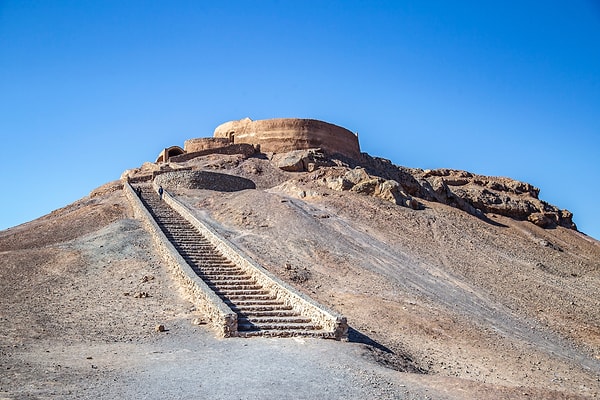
pixel 357 180
pixel 485 194
pixel 473 193
pixel 302 160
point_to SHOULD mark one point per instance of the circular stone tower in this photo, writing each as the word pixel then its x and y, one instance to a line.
pixel 281 135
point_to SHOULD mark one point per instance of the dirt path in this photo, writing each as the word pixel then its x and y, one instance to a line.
pixel 190 364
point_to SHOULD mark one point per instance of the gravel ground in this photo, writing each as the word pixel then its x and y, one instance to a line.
pixel 441 304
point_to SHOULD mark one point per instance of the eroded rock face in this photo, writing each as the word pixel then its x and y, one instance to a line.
pixel 504 196
pixel 281 135
pixel 359 181
pixel 475 194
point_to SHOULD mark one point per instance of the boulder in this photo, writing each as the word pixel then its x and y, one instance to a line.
pixel 356 176
pixel 368 187
pixel 388 190
pixel 301 160
pixel 338 183
pixel 543 220
pixel 566 219
pixel 292 161
pixel 392 191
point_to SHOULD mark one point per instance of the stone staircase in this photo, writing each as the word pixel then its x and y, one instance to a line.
pixel 259 312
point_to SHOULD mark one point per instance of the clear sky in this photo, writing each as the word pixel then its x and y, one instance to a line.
pixel 505 88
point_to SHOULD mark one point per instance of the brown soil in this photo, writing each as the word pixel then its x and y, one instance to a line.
pixel 441 304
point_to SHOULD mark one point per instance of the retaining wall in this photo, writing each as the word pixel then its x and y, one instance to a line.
pixel 200 144
pixel 244 149
pixel 331 321
pixel 203 180
pixel 221 318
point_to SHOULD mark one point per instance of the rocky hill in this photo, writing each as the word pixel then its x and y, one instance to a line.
pixel 455 285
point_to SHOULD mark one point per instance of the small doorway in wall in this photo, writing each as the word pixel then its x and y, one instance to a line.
pixel 231 136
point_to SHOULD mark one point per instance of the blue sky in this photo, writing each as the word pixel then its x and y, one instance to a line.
pixel 91 88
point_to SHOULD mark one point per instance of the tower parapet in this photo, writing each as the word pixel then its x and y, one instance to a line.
pixel 280 135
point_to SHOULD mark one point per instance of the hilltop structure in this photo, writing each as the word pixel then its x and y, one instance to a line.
pixel 278 135
pixel 305 145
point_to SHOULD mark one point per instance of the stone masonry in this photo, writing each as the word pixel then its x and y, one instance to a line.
pixel 239 297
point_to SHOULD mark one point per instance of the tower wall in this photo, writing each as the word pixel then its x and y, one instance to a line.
pixel 281 135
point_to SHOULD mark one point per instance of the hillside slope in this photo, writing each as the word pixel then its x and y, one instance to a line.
pixel 470 305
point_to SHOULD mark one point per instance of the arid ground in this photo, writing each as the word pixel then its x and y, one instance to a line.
pixel 441 304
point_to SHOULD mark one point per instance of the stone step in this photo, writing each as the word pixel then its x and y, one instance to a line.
pixel 209 263
pixel 201 255
pixel 258 304
pixel 221 276
pixel 200 252
pixel 206 252
pixel 203 262
pixel 180 228
pixel 192 247
pixel 243 309
pixel 286 333
pixel 250 309
pixel 219 266
pixel 231 279
pixel 270 312
pixel 236 297
pixel 276 326
pixel 216 282
pixel 273 320
pixel 263 311
pixel 210 270
pixel 235 286
pixel 194 237
pixel 198 247
pixel 240 292
pixel 192 253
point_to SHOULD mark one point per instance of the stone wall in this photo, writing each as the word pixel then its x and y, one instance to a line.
pixel 281 135
pixel 221 318
pixel 335 324
pixel 200 144
pixel 203 180
pixel 242 148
